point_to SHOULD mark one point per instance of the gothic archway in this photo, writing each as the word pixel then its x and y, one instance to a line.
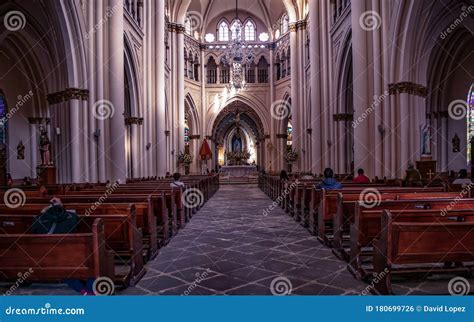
pixel 238 123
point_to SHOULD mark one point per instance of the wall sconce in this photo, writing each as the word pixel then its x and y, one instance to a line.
pixel 58 131
pixel 309 131
pixel 381 129
pixel 148 146
pixel 97 134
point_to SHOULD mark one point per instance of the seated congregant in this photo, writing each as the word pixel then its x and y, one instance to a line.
pixel 329 183
pixel 55 219
pixel 413 176
pixel 177 183
pixel 284 176
pixel 462 178
pixel 361 177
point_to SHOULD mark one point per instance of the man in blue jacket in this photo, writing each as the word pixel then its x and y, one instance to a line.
pixel 329 183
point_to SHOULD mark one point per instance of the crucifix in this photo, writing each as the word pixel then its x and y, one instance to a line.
pixel 431 174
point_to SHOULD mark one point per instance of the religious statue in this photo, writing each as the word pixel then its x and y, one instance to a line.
pixel 20 151
pixel 456 143
pixel 44 146
pixel 426 140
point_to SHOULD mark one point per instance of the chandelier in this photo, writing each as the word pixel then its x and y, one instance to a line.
pixel 238 54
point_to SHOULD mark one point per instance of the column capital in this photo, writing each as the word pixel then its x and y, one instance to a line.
pixel 67 95
pixel 408 88
pixel 39 120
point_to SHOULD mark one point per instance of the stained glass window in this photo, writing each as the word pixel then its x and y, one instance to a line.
pixel 223 31
pixel 470 120
pixel 3 120
pixel 250 31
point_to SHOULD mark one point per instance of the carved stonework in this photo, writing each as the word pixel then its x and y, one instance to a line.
pixel 282 136
pixel 39 120
pixel 408 88
pixel 134 120
pixel 67 95
pixel 174 27
pixel 343 117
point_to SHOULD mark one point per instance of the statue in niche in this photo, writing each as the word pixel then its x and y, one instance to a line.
pixel 44 146
pixel 426 140
pixel 456 143
pixel 20 151
pixel 237 145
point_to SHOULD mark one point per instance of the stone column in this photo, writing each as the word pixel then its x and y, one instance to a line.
pixel 117 162
pixel 180 88
pixel 362 136
pixel 160 83
pixel 75 141
pixel 295 98
pixel 316 106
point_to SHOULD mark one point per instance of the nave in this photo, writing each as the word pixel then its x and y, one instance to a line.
pixel 246 252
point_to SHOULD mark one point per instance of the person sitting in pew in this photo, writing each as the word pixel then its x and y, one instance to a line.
pixel 329 183
pixel 284 176
pixel 462 178
pixel 361 177
pixel 55 219
pixel 177 183
pixel 413 177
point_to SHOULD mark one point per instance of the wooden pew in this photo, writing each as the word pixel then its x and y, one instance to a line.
pixel 367 225
pixel 121 233
pixel 327 207
pixel 346 204
pixel 151 215
pixel 403 242
pixel 54 258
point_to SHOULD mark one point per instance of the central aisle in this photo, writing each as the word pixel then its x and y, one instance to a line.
pixel 230 247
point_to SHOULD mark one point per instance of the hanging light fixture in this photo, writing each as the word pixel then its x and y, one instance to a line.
pixel 238 55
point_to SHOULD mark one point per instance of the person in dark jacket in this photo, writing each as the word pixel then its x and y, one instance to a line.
pixel 284 176
pixel 329 183
pixel 55 219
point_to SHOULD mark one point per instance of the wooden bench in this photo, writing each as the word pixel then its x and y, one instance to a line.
pixel 346 204
pixel 121 233
pixel 367 226
pixel 54 258
pixel 327 207
pixel 416 244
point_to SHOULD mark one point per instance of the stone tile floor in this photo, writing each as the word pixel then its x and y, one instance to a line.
pixel 230 248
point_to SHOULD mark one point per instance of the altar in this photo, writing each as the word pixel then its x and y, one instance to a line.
pixel 238 170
